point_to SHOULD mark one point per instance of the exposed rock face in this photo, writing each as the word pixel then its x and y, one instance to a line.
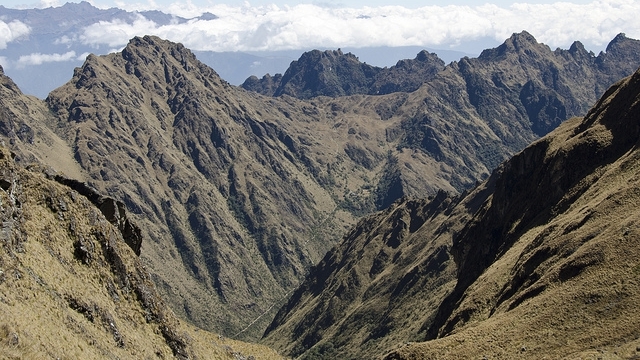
pixel 526 265
pixel 113 210
pixel 333 73
pixel 238 194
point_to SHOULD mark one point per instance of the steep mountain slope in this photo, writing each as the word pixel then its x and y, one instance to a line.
pixel 25 125
pixel 333 73
pixel 239 194
pixel 540 260
pixel 70 286
pixel 199 166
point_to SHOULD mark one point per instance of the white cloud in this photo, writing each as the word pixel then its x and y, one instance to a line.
pixel 245 28
pixel 11 31
pixel 83 56
pixel 116 33
pixel 39 59
pixel 48 3
pixel 560 23
pixel 65 39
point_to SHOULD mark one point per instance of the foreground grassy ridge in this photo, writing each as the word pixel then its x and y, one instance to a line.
pixel 71 288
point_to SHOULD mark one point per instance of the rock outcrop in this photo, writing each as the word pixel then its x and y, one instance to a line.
pixel 113 210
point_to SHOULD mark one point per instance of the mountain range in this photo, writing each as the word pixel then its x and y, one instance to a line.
pixel 44 58
pixel 332 73
pixel 237 194
pixel 539 260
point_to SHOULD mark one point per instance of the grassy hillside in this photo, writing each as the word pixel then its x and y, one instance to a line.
pixel 70 287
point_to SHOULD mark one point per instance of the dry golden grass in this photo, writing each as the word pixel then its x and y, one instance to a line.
pixel 55 305
pixel 203 341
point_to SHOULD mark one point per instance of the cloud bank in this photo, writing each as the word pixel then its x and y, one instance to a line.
pixel 39 59
pixel 12 31
pixel 247 28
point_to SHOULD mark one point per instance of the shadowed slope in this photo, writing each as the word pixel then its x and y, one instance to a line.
pixel 565 264
pixel 539 260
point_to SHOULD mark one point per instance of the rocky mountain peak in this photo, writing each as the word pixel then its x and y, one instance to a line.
pixel 618 42
pixel 328 73
pixel 328 55
pixel 80 5
pixel 7 83
pixel 522 43
pixel 577 50
pixel 333 73
pixel 521 39
pixel 621 47
pixel 151 51
pixel 424 55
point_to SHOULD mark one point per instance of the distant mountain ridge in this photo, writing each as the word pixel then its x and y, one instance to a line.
pixel 333 73
pixel 239 194
pixel 54 20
